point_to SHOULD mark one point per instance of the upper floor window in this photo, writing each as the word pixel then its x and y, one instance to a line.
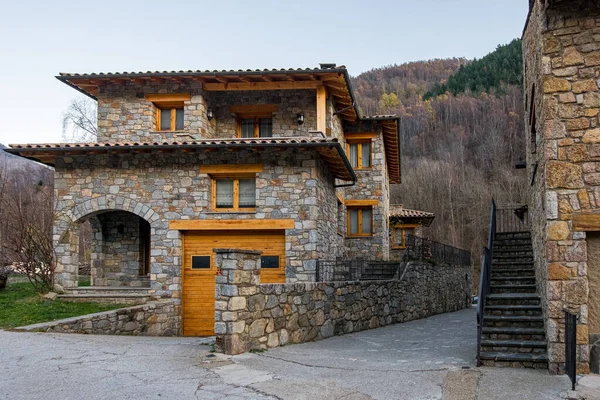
pixel 255 127
pixel 169 119
pixel 255 120
pixel 169 110
pixel 360 221
pixel 359 149
pixel 359 153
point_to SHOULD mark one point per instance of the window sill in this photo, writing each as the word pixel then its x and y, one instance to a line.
pixel 169 131
pixel 363 169
pixel 398 248
pixel 358 236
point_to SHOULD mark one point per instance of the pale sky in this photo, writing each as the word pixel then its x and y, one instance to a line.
pixel 42 38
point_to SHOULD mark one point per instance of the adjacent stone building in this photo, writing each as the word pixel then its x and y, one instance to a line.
pixel 276 161
pixel 561 45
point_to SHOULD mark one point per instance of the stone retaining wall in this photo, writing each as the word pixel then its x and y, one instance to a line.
pixel 151 319
pixel 250 316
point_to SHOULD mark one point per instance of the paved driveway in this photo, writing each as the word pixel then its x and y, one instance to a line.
pixel 431 358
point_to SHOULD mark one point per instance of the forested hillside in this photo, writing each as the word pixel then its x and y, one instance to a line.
pixel 459 146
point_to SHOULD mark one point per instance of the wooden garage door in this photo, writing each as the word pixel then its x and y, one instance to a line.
pixel 199 270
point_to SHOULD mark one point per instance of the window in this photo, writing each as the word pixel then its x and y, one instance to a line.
pixel 255 127
pixel 269 262
pixel 169 119
pixel 360 221
pixel 169 110
pixel 254 120
pixel 399 235
pixel 359 154
pixel 200 262
pixel 234 194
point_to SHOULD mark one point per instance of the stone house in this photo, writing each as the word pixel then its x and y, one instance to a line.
pixel 404 223
pixel 561 47
pixel 277 161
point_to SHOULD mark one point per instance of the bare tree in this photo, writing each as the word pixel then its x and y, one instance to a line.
pixel 27 225
pixel 79 121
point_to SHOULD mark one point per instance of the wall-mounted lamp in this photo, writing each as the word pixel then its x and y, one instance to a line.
pixel 209 114
pixel 300 118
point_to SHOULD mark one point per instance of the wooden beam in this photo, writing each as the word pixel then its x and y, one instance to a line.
pixel 254 109
pixel 350 202
pixel 586 222
pixel 360 135
pixel 220 87
pixel 321 108
pixel 168 97
pixel 231 224
pixel 230 168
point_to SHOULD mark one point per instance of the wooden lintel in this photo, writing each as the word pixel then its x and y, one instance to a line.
pixel 230 168
pixel 359 135
pixel 220 87
pixel 352 202
pixel 586 222
pixel 228 224
pixel 166 97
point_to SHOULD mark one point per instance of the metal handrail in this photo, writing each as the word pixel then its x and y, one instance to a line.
pixel 485 278
pixel 571 347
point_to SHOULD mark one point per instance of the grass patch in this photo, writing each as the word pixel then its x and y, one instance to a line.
pixel 84 281
pixel 21 305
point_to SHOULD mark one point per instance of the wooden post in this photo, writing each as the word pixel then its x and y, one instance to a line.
pixel 321 109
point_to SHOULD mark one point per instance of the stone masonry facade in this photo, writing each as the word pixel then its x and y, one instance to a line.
pixel 250 316
pixel 561 47
pixel 160 188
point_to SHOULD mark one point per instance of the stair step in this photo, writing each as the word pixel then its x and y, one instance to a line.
pixel 512 278
pixel 514 296
pixel 512 249
pixel 512 318
pixel 516 287
pixel 523 271
pixel 510 262
pixel 512 330
pixel 522 357
pixel 513 343
pixel 514 307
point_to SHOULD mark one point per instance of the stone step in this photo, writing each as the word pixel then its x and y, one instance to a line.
pixel 510 263
pixel 513 321
pixel 511 242
pixel 108 298
pixel 527 360
pixel 512 333
pixel 513 259
pixel 498 356
pixel 510 272
pixel 497 299
pixel 513 310
pixel 512 235
pixel 525 288
pixel 525 250
pixel 514 343
pixel 107 290
pixel 513 280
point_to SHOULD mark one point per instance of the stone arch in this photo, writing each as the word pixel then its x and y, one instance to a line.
pixel 66 238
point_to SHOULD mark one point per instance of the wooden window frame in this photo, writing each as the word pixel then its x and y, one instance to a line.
pixel 402 228
pixel 236 192
pixel 173 118
pixel 360 230
pixel 168 101
pixel 256 125
pixel 359 143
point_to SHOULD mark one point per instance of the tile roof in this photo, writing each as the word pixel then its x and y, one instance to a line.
pixel 398 211
pixel 329 149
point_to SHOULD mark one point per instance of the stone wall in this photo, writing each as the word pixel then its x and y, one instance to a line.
pixel 121 249
pixel 124 115
pixel 151 319
pixel 289 103
pixel 251 316
pixel 562 70
pixel 372 184
pixel 163 187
